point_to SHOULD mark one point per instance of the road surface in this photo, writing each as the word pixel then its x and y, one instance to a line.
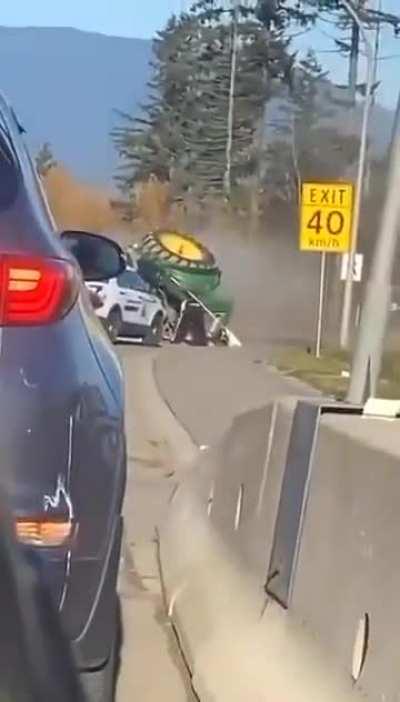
pixel 206 388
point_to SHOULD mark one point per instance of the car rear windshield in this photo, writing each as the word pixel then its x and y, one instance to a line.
pixel 9 169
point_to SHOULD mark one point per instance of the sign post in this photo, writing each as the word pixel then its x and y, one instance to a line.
pixel 358 264
pixel 321 301
pixel 325 227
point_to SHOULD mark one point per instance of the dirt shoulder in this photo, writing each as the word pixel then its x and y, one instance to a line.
pixel 330 373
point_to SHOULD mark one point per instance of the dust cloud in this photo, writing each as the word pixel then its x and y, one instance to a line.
pixel 274 285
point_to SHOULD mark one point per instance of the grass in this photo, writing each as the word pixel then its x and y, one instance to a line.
pixel 329 374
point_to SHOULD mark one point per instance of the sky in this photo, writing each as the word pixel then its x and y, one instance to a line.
pixel 132 18
pixel 142 18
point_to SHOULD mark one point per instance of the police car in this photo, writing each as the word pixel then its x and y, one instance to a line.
pixel 129 308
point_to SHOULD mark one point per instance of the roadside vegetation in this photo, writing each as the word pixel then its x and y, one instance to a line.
pixel 75 204
pixel 330 373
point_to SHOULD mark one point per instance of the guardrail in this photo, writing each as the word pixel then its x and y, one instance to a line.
pixel 279 557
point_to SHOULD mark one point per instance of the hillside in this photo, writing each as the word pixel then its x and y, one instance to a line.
pixel 65 85
pixel 336 113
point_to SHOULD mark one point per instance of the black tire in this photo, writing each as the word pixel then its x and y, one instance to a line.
pixel 100 685
pixel 155 333
pixel 114 324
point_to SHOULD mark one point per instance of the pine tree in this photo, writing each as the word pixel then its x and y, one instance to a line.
pixel 262 58
pixel 150 144
pixel 182 135
pixel 307 146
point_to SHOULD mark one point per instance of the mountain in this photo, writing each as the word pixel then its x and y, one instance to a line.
pixel 336 112
pixel 65 85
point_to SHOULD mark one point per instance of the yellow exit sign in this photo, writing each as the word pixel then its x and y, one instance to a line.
pixel 326 217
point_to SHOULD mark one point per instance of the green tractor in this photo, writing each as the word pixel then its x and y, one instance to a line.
pixel 186 274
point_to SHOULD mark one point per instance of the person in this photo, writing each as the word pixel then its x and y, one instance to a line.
pixel 192 327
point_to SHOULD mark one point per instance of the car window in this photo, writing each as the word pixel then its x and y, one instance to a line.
pixel 9 168
pixel 133 281
pixel 138 283
pixel 124 280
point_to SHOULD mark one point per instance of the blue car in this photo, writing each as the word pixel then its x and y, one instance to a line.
pixel 62 435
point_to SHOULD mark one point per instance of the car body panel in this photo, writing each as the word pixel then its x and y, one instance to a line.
pixel 131 296
pixel 62 434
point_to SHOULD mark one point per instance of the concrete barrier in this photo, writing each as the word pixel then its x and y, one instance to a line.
pixel 279 558
pixel 348 576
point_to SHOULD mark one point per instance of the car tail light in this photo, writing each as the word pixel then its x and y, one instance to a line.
pixel 45 533
pixel 35 291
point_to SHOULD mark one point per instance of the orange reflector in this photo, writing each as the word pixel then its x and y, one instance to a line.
pixel 22 285
pixel 46 534
pixel 23 279
pixel 24 274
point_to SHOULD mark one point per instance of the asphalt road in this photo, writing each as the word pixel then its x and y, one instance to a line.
pixel 206 387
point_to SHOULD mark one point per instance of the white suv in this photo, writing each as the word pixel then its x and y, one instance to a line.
pixel 129 308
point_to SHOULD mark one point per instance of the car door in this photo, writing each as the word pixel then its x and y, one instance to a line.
pixel 130 299
pixel 62 442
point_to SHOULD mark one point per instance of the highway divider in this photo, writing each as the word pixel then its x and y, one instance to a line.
pixel 279 557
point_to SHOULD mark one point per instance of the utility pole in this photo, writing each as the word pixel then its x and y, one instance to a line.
pixel 374 82
pixel 348 290
pixel 377 47
pixel 353 61
pixel 231 108
pixel 367 360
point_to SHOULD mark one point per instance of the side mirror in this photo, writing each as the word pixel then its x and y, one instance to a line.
pixel 98 257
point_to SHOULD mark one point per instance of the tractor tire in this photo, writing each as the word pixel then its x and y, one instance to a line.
pixel 178 250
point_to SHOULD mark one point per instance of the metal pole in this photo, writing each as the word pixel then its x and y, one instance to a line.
pixel 367 361
pixel 353 65
pixel 348 291
pixel 374 81
pixel 321 301
pixel 231 108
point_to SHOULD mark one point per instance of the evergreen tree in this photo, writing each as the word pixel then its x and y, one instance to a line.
pixel 307 146
pixel 182 135
pixel 151 144
pixel 262 59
